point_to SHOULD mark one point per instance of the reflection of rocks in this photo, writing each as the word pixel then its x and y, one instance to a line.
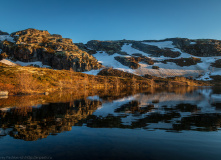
pixel 183 108
pixel 33 123
pixel 217 105
pixel 104 122
pixel 134 107
pixel 204 122
pixel 174 111
pixel 167 111
pixel 129 107
pixel 155 118
pixel 111 121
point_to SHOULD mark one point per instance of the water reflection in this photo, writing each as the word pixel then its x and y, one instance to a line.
pixel 196 109
pixel 31 123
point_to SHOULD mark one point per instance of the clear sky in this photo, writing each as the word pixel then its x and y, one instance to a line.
pixel 84 20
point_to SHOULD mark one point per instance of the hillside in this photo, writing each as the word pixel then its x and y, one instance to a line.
pixel 199 59
pixel 33 80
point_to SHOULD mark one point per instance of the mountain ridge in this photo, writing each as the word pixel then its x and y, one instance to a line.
pixel 197 58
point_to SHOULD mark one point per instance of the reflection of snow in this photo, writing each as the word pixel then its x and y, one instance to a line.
pixel 109 107
pixel 202 99
pixel 93 98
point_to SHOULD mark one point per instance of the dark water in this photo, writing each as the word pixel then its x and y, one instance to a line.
pixel 154 125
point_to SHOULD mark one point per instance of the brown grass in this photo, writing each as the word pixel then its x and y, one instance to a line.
pixel 32 80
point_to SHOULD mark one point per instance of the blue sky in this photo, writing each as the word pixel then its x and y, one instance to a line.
pixel 84 20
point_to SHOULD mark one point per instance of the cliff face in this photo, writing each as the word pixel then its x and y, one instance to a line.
pixel 60 53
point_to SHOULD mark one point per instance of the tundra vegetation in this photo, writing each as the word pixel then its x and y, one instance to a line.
pixel 34 80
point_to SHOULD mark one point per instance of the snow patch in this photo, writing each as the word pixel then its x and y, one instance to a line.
pixel 12 63
pixel 109 61
pixel 92 72
pixel 130 50
pixel 96 97
pixel 7 37
pixel 192 42
pixel 40 64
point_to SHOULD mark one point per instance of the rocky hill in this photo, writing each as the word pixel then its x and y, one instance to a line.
pixel 33 45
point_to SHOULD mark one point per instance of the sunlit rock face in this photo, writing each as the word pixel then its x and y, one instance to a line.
pixel 51 49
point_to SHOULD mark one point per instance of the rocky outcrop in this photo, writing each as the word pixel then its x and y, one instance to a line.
pixel 199 47
pixel 184 61
pixel 60 53
pixel 154 50
pixel 155 67
pixel 118 73
pixel 217 63
pixel 128 61
pixel 83 47
pixel 133 61
pixel 110 47
pixel 144 59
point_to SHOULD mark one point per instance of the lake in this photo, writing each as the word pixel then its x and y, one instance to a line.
pixel 177 123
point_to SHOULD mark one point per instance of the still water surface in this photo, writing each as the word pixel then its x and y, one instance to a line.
pixel 154 125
